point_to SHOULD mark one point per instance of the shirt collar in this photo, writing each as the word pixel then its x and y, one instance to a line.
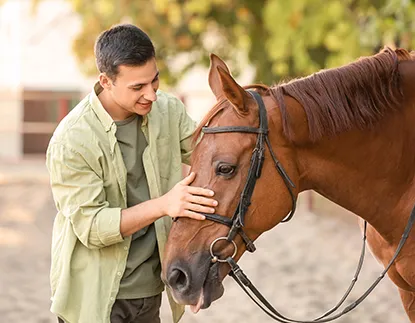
pixel 100 111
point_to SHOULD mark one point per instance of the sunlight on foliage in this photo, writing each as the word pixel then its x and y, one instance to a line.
pixel 281 39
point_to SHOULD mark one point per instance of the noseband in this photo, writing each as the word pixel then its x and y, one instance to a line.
pixel 237 222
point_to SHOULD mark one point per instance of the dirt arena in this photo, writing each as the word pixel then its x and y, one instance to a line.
pixel 302 267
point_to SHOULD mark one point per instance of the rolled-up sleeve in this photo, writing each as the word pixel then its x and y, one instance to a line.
pixel 79 195
pixel 187 127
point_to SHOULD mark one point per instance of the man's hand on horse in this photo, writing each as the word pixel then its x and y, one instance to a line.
pixel 184 200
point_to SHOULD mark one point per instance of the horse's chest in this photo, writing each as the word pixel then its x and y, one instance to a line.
pixel 402 272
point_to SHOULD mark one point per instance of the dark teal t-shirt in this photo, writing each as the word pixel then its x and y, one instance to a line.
pixel 142 273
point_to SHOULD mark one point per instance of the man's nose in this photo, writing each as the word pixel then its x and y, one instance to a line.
pixel 150 94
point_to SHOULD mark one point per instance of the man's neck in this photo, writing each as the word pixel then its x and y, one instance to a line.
pixel 113 109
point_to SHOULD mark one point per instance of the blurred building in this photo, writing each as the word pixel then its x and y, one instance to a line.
pixel 40 80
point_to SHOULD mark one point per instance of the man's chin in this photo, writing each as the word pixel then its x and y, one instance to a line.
pixel 142 110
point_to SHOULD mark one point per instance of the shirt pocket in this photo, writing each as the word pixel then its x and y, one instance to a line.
pixel 164 156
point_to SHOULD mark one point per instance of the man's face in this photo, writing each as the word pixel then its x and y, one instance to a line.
pixel 134 89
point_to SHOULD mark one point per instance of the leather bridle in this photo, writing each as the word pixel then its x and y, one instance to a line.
pixel 237 222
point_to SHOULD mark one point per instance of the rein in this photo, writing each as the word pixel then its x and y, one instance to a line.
pixel 237 222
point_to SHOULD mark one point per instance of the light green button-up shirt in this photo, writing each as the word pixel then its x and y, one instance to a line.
pixel 88 180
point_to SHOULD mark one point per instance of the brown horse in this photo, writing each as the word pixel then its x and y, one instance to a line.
pixel 347 133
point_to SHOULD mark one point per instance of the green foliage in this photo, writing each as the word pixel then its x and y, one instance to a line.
pixel 280 38
pixel 307 35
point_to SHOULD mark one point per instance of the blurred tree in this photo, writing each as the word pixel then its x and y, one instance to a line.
pixel 307 35
pixel 280 38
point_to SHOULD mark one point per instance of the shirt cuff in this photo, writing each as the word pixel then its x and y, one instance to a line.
pixel 108 226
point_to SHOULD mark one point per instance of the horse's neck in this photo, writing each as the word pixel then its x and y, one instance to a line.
pixel 367 172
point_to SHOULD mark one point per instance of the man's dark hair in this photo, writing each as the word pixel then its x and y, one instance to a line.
pixel 122 45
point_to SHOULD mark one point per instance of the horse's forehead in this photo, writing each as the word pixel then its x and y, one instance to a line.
pixel 229 147
pixel 224 142
pixel 229 117
pixel 230 141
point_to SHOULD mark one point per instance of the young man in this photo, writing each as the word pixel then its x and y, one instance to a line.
pixel 115 172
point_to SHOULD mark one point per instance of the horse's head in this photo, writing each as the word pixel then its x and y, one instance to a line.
pixel 222 161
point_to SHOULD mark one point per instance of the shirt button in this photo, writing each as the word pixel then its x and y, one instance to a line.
pixel 125 248
pixel 111 298
pixel 119 273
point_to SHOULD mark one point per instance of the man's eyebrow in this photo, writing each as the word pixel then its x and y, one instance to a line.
pixel 141 84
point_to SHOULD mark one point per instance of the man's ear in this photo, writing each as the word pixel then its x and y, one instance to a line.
pixel 105 81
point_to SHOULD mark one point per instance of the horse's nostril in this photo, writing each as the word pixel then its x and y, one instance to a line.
pixel 178 280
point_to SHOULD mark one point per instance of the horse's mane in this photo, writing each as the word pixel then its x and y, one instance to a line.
pixel 355 95
pixel 335 100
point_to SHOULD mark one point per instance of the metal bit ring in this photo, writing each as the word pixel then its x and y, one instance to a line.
pixel 216 258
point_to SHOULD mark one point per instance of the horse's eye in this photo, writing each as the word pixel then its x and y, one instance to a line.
pixel 225 169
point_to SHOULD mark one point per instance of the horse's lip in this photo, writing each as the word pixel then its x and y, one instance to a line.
pixel 211 285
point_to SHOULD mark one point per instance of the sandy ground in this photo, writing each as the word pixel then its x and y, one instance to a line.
pixel 302 267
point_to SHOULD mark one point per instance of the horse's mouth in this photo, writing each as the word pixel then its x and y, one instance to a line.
pixel 211 290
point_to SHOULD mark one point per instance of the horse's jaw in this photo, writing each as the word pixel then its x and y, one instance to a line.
pixel 204 284
pixel 211 290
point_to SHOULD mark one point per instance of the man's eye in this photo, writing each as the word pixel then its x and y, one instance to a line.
pixel 155 80
pixel 137 88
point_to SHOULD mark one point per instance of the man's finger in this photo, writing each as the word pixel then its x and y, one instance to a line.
pixel 200 208
pixel 197 199
pixel 188 179
pixel 193 215
pixel 200 191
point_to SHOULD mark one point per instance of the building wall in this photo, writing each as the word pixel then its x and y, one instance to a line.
pixel 10 123
pixel 47 60
pixel 10 82
pixel 35 55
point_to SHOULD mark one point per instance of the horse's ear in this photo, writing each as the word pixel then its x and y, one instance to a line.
pixel 235 93
pixel 214 79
